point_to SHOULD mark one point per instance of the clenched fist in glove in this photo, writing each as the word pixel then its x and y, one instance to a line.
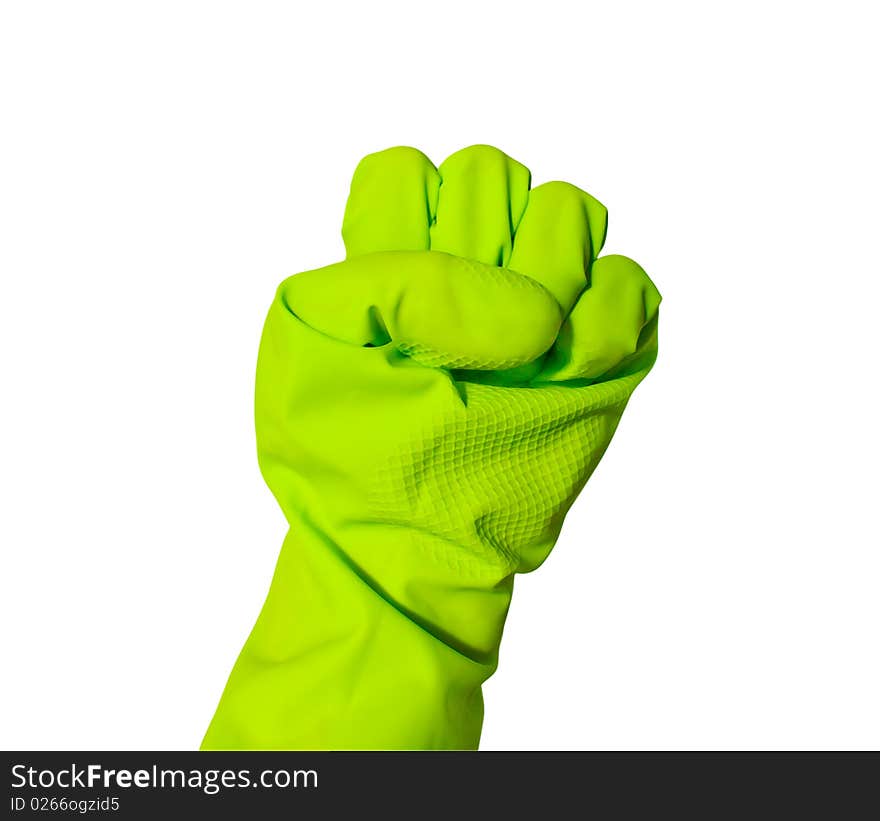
pixel 426 413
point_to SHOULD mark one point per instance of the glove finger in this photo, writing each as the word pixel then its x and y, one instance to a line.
pixel 614 320
pixel 558 237
pixel 483 195
pixel 438 309
pixel 392 202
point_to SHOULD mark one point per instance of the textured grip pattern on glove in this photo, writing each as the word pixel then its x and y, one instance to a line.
pixel 505 471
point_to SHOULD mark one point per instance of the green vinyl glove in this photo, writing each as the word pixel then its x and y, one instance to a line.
pixel 426 413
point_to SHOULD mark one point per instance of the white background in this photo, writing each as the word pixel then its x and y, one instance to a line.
pixel 164 165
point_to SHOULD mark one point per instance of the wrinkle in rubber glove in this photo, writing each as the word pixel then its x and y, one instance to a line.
pixel 426 413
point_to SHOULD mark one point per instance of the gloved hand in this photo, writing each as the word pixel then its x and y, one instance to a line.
pixel 426 413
